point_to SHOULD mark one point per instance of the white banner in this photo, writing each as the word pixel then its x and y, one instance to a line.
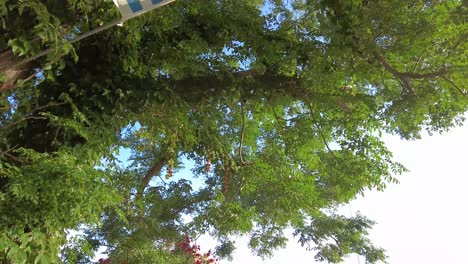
pixel 133 8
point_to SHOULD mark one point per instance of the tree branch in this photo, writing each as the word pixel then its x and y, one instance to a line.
pixel 158 165
pixel 10 157
pixel 199 88
pixel 31 116
pixel 462 92
pixel 17 83
pixel 242 133
pixel 319 130
pixel 405 77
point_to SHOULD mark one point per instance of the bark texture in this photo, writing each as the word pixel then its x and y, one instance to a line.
pixel 12 72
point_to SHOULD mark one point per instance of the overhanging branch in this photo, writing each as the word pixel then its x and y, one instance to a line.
pixel 405 77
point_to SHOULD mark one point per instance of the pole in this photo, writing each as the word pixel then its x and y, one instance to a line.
pixel 92 32
pixel 78 38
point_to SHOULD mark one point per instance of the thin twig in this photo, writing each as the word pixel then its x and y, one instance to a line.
pixel 417 62
pixel 454 85
pixel 30 116
pixel 319 127
pixel 10 157
pixel 24 119
pixel 165 183
pixel 242 133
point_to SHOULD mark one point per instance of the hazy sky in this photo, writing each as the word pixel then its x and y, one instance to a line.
pixel 423 219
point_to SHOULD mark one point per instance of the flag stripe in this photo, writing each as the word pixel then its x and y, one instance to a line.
pixel 132 8
pixel 135 5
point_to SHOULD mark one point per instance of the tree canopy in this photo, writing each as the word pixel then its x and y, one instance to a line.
pixel 280 106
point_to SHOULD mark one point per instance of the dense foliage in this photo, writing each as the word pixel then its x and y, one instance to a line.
pixel 280 106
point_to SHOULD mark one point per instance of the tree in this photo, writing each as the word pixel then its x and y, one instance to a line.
pixel 280 105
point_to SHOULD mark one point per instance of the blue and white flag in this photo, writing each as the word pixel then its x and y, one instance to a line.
pixel 133 8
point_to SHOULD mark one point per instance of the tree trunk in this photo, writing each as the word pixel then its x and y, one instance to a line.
pixel 10 72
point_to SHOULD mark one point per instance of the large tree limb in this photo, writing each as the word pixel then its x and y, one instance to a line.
pixel 157 167
pixel 253 82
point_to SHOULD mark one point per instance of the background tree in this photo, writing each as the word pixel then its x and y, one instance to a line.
pixel 280 105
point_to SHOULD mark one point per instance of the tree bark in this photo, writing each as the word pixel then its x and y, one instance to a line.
pixel 12 73
pixel 157 167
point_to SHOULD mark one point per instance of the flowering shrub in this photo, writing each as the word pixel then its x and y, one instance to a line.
pixel 104 261
pixel 108 261
pixel 186 247
pixel 193 250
